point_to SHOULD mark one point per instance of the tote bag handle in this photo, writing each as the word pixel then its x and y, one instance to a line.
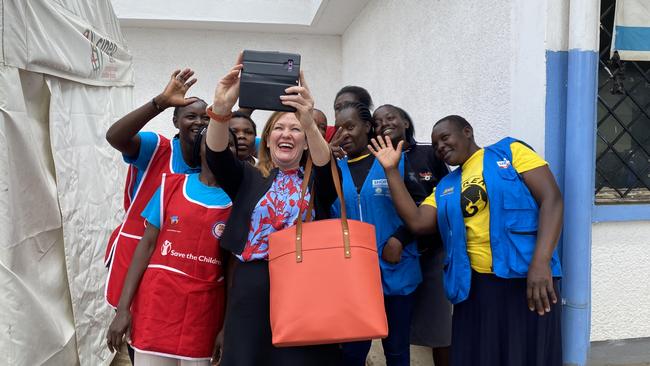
pixel 339 192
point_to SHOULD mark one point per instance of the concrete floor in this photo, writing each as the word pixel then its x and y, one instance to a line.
pixel 420 356
pixel 121 358
pixel 629 352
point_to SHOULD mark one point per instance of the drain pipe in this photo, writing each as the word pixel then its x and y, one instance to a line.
pixel 584 19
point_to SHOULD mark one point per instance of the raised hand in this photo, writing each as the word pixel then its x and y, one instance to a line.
pixel 225 96
pixel 178 85
pixel 300 98
pixel 227 91
pixel 382 149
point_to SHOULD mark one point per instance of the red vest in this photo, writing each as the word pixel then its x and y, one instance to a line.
pixel 131 176
pixel 126 236
pixel 179 307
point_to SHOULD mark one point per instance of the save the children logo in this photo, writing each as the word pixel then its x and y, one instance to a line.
pixel 217 229
pixel 166 247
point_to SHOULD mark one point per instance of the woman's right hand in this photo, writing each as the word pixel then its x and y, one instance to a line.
pixel 382 149
pixel 335 144
pixel 177 87
pixel 119 327
pixel 227 91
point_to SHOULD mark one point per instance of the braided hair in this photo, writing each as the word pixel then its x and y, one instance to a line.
pixel 364 114
pixel 409 132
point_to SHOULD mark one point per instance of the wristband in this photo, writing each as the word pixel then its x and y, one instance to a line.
pixel 158 107
pixel 218 117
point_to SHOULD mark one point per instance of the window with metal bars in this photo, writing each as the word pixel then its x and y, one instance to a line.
pixel 623 123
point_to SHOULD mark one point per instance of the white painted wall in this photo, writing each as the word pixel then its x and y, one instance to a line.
pixel 528 72
pixel 620 279
pixel 557 25
pixel 436 58
pixel 157 52
pixel 486 61
pixel 433 59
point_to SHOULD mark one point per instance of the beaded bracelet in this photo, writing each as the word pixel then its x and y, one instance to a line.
pixel 218 117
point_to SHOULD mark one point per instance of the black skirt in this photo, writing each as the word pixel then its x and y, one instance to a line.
pixel 494 327
pixel 431 319
pixel 247 327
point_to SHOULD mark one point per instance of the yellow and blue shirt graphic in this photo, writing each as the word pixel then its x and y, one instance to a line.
pixel 476 204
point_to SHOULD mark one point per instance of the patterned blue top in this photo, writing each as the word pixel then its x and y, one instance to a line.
pixel 276 210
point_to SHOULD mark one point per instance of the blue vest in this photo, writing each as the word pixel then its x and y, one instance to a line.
pixel 374 205
pixel 513 222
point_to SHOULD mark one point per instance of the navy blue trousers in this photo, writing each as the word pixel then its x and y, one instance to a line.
pixel 396 345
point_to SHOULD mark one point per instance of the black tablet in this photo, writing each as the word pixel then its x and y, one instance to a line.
pixel 264 78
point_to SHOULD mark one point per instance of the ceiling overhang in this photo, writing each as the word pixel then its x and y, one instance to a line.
pixel 277 16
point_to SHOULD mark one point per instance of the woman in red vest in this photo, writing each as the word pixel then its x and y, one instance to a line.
pixel 149 156
pixel 173 295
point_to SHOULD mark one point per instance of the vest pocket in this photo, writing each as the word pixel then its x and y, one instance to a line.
pixel 517 197
pixel 508 173
pixel 401 278
pixel 522 246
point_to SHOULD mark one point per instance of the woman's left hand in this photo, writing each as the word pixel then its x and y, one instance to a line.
pixel 392 252
pixel 299 97
pixel 382 148
pixel 540 292
pixel 118 329
pixel 217 351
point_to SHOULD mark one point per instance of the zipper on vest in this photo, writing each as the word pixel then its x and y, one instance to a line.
pixel 359 204
pixel 448 223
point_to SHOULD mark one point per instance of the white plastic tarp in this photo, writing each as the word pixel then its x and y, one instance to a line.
pixel 631 33
pixel 61 85
pixel 77 40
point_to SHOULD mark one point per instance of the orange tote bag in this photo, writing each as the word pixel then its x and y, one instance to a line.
pixel 325 280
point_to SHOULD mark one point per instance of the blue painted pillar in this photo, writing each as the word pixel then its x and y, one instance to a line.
pixel 556 113
pixel 582 77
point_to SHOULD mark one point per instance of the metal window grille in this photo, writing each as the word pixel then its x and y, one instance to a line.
pixel 623 123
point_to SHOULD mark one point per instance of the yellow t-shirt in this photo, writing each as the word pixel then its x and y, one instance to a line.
pixel 476 205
